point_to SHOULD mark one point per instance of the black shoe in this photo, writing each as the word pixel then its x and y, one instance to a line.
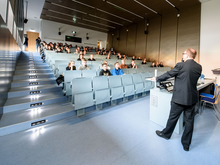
pixel 160 133
pixel 186 148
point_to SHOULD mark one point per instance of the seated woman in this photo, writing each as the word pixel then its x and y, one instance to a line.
pixel 68 50
pixel 80 57
pixel 71 66
pixel 153 65
pixel 105 71
pixel 91 58
pixel 161 64
pixel 139 58
pixel 84 65
pixel 117 70
pixel 133 58
pixel 108 56
pixel 132 65
pixel 144 61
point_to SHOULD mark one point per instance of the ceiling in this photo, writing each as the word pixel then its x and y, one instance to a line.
pixel 108 15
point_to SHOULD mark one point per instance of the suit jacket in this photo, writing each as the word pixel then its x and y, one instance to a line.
pixel 185 87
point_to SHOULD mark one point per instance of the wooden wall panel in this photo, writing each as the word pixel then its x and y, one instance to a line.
pixel 141 40
pixel 131 40
pixel 123 40
pixel 115 42
pixel 189 31
pixel 153 39
pixel 168 40
pixel 109 41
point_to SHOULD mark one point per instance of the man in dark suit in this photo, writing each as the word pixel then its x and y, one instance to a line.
pixel 184 96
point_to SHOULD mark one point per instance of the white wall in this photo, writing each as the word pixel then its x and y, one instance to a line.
pixel 210 37
pixel 33 25
pixel 50 31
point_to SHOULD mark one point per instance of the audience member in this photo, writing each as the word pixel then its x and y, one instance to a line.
pixel 105 71
pixel 157 64
pixel 80 57
pixel 59 50
pixel 139 58
pixel 84 66
pixel 133 58
pixel 153 64
pixel 91 58
pixel 124 57
pixel 108 56
pixel 132 65
pixel 117 70
pixel 108 67
pixel 144 61
pixel 161 64
pixel 123 65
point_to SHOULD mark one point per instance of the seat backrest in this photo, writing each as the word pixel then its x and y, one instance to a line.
pixel 100 82
pixel 115 81
pixel 69 75
pixel 127 79
pixel 144 76
pixel 88 73
pixel 81 85
pixel 132 71
pixel 137 78
pixel 62 68
pixel 217 98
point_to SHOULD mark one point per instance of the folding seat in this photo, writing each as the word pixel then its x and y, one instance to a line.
pixel 94 66
pixel 131 71
pixel 60 70
pixel 125 71
pixel 128 85
pixel 82 94
pixel 147 83
pixel 89 73
pixel 139 70
pixel 68 76
pixel 116 87
pixel 101 90
pixel 138 83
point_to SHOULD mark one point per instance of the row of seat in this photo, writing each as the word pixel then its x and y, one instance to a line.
pixel 87 91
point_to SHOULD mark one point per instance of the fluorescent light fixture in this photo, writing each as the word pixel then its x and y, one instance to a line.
pixel 83 4
pixel 170 3
pixel 92 26
pixel 124 9
pixel 74 22
pixel 146 6
pixel 98 23
pixel 68 8
pixel 74 19
pixel 114 15
pixel 105 19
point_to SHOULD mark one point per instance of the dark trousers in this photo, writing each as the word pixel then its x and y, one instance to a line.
pixel 175 112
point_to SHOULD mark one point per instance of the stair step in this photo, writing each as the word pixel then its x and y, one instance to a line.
pixel 26 90
pixel 25 102
pixel 21 120
pixel 23 71
pixel 32 76
pixel 32 67
pixel 29 82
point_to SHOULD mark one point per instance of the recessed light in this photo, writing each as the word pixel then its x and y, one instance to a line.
pixel 105 19
pixel 145 6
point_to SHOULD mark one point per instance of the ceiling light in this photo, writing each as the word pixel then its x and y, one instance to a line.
pixel 146 6
pixel 98 23
pixel 83 4
pixel 170 3
pixel 105 19
pixel 59 18
pixel 63 13
pixel 68 8
pixel 114 15
pixel 92 26
pixel 124 9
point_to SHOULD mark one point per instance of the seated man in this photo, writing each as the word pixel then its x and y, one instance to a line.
pixel 139 58
pixel 123 65
pixel 80 57
pixel 119 57
pixel 59 50
pixel 153 64
pixel 132 65
pixel 144 61
pixel 157 64
pixel 124 57
pixel 133 58
pixel 91 58
pixel 108 67
pixel 105 71
pixel 161 64
pixel 84 66
pixel 117 70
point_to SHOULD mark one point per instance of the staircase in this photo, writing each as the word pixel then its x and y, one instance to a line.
pixel 34 98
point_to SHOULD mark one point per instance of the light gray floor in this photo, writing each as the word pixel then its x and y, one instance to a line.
pixel 120 135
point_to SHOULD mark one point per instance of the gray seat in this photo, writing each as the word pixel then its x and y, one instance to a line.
pixel 68 76
pixel 116 87
pixel 131 71
pixel 93 67
pixel 147 84
pixel 128 85
pixel 101 89
pixel 139 70
pixel 125 71
pixel 60 70
pixel 138 83
pixel 82 94
pixel 89 73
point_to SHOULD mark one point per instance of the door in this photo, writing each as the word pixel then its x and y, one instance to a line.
pixel 32 36
pixel 98 45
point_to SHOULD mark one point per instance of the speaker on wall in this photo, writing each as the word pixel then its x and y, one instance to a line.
pixel 145 32
pixel 87 38
pixel 117 38
pixel 59 33
pixel 25 20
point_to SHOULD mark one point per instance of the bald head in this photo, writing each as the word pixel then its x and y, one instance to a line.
pixel 191 53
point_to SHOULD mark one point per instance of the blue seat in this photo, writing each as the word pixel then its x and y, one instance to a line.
pixel 116 87
pixel 68 76
pixel 82 94
pixel 101 89
pixel 210 95
pixel 138 83
pixel 128 85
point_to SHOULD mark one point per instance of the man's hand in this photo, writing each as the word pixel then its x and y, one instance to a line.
pixel 153 78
